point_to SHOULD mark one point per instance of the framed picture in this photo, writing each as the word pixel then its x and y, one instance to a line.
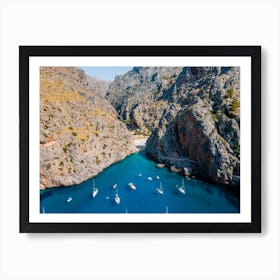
pixel 140 138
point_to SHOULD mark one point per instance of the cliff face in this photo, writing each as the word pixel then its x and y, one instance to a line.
pixel 98 86
pixel 192 114
pixel 80 133
pixel 138 96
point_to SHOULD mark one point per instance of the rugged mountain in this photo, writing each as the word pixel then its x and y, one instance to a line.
pixel 192 114
pixel 80 133
pixel 98 86
pixel 137 96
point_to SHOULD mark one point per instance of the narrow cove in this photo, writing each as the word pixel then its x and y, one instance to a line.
pixel 199 197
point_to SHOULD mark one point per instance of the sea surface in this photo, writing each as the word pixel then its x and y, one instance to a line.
pixel 199 197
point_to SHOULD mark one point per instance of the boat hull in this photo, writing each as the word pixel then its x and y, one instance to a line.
pixel 94 193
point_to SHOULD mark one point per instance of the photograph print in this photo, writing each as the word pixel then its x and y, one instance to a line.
pixel 140 139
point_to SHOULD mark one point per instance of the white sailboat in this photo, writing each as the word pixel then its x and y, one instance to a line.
pixel 160 189
pixel 139 175
pixel 117 198
pixel 181 189
pixel 150 178
pixel 115 186
pixel 94 189
pixel 157 177
pixel 132 186
pixel 69 199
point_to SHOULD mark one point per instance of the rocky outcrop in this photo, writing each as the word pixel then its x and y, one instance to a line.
pixel 98 86
pixel 138 96
pixel 200 141
pixel 192 114
pixel 80 133
pixel 202 134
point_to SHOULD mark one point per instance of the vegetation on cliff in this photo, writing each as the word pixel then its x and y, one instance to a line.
pixel 80 133
pixel 137 96
pixel 192 114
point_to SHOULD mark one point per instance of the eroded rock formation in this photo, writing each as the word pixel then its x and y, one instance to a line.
pixel 80 133
pixel 192 114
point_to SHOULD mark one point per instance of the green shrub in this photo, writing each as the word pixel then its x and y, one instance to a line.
pixel 235 105
pixel 127 121
pixel 97 160
pixel 137 132
pixel 236 150
pixel 230 93
pixel 74 133
pixel 223 140
pixel 214 116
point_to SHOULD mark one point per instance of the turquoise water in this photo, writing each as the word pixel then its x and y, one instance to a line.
pixel 200 197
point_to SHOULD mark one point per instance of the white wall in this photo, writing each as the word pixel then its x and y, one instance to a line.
pixel 138 256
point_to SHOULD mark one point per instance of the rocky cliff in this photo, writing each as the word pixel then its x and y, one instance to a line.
pixel 138 96
pixel 98 86
pixel 192 114
pixel 80 133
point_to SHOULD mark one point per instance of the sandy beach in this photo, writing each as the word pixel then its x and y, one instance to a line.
pixel 140 142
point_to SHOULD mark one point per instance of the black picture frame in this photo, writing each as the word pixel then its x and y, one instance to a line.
pixel 254 52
